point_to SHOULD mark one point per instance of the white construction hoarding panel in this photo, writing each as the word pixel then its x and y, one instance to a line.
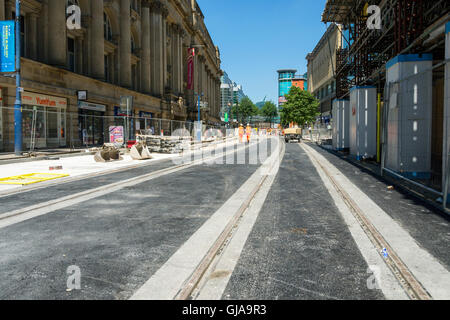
pixel 446 153
pixel 363 122
pixel 341 124
pixel 409 117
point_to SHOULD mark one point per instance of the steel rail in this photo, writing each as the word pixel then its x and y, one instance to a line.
pixel 186 291
pixel 410 284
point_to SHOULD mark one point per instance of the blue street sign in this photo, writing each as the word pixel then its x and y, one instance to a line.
pixel 7 47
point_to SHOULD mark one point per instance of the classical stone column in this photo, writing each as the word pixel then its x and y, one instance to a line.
pixel 97 44
pixel 218 100
pixel 125 44
pixel 57 37
pixel 170 47
pixel 146 57
pixel 208 85
pixel 79 55
pixel 213 90
pixel 178 60
pixel 205 82
pixel 32 30
pixel 43 33
pixel 174 56
pixel 158 13
pixel 201 82
pixel 165 49
pixel 2 10
pixel 198 75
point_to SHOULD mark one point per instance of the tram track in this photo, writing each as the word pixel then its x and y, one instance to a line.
pixel 412 287
pixel 219 246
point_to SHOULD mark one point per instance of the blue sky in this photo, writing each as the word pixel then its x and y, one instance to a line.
pixel 258 37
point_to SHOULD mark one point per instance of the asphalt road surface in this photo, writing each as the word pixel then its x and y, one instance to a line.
pixel 299 247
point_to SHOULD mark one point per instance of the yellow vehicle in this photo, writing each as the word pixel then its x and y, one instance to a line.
pixel 292 134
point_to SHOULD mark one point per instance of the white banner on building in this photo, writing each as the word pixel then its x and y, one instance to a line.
pixel 91 106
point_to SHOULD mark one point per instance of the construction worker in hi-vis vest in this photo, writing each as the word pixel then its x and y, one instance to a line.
pixel 248 132
pixel 241 133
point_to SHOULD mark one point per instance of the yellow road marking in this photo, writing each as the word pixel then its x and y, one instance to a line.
pixel 26 179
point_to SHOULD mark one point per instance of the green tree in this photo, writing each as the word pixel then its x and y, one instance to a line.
pixel 301 107
pixel 270 111
pixel 245 110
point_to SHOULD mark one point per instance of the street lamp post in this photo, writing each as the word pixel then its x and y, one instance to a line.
pixel 18 102
pixel 199 123
pixel 199 129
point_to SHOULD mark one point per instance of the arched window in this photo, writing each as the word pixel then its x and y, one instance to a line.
pixel 71 3
pixel 73 46
pixel 107 30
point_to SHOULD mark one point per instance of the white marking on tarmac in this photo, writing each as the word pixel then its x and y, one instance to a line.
pixel 172 276
pixel 427 269
pixel 214 287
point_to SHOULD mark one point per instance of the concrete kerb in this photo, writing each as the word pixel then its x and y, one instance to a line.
pixel 134 164
pixel 46 157
pixel 39 209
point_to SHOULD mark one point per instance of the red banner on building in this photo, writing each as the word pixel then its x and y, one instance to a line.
pixel 190 69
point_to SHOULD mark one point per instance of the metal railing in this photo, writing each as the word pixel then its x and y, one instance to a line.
pixel 47 128
pixel 319 133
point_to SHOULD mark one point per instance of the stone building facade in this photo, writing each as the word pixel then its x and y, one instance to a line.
pixel 321 69
pixel 137 48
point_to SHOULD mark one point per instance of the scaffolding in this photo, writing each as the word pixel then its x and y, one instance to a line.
pixel 406 27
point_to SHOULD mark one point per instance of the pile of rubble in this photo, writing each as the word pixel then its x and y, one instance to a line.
pixel 108 152
pixel 168 145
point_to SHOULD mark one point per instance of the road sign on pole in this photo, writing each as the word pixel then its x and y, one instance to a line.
pixel 18 103
pixel 8 48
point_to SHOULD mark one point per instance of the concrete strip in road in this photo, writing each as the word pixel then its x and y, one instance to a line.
pixel 387 282
pixel 169 280
pixel 428 271
pixel 219 275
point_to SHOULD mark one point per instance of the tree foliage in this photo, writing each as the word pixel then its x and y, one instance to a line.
pixel 270 111
pixel 301 107
pixel 245 110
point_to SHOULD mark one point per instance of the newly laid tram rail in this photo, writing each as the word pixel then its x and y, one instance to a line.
pixel 408 281
pixel 197 277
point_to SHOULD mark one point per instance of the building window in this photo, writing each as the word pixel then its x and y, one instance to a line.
pixel 134 5
pixel 71 54
pixel 107 71
pixel 133 77
pixel 107 30
pixel 133 46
